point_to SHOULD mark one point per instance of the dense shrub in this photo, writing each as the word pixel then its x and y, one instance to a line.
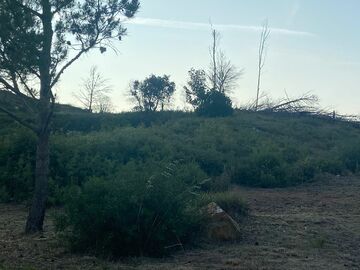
pixel 266 169
pixel 133 214
pixel 351 157
pixel 215 104
pixel 17 150
pixel 258 149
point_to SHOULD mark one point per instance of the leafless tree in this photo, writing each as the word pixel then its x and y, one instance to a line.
pixel 265 33
pixel 222 74
pixel 104 105
pixel 94 91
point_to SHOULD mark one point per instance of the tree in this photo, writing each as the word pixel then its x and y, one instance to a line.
pixel 196 88
pixel 153 93
pixel 205 100
pixel 93 95
pixel 39 40
pixel 222 74
pixel 215 104
pixel 207 91
pixel 104 105
pixel 265 33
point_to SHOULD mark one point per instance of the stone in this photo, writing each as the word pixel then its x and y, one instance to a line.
pixel 221 226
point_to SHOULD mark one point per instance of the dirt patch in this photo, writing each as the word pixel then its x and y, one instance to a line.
pixel 315 226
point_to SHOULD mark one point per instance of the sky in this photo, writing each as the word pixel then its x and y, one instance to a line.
pixel 314 46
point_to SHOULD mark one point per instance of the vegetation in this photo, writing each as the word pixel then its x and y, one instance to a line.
pixel 112 174
pixel 206 101
pixel 153 93
pixel 229 201
pixel 38 42
pixel 255 149
pixel 135 214
pixel 94 93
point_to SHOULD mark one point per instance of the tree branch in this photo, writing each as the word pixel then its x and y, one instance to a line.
pixel 17 119
pixel 7 85
pixel 34 12
pixel 68 64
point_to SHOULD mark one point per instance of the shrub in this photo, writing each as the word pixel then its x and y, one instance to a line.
pixel 131 216
pixel 17 163
pixel 267 169
pixel 261 169
pixel 351 157
pixel 218 183
pixel 215 104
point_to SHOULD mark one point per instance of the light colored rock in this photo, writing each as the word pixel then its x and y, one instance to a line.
pixel 221 226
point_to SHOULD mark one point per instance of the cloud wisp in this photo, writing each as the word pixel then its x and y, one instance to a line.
pixel 205 26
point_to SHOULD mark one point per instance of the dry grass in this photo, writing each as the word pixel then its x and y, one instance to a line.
pixel 316 226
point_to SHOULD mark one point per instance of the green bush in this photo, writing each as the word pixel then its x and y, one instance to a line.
pixel 216 104
pixel 17 164
pixel 267 169
pixel 255 149
pixel 133 215
pixel 351 158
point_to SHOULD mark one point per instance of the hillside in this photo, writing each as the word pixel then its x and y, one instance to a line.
pixel 254 149
pixel 296 172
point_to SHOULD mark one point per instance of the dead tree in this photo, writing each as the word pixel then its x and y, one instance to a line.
pixel 94 91
pixel 265 33
pixel 222 74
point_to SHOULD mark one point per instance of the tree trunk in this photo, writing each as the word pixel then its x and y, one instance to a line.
pixel 36 216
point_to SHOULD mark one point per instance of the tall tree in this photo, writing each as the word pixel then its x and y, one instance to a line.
pixel 206 100
pixel 196 88
pixel 265 33
pixel 39 40
pixel 222 74
pixel 94 91
pixel 153 93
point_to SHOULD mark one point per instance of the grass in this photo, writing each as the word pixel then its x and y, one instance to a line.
pixel 230 201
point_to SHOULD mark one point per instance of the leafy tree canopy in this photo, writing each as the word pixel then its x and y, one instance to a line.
pixel 153 93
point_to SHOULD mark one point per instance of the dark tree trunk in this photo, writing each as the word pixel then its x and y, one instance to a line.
pixel 37 211
pixel 36 216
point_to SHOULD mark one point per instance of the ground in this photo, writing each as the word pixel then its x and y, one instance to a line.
pixel 314 226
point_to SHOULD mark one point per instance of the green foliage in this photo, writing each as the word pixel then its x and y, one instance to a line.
pixel 267 150
pixel 153 93
pixel 271 169
pixel 215 104
pixel 196 88
pixel 17 165
pixel 137 213
pixel 351 157
pixel 206 101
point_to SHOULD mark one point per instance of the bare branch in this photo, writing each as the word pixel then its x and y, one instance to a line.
pixel 18 119
pixel 68 64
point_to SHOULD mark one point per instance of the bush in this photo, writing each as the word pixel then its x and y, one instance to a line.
pixel 131 216
pixel 351 157
pixel 268 169
pixel 216 104
pixel 17 163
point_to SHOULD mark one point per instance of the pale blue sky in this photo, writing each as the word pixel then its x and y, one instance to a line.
pixel 314 46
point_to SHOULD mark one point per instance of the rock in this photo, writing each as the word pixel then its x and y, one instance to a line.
pixel 221 226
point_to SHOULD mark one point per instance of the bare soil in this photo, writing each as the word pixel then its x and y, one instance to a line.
pixel 315 226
